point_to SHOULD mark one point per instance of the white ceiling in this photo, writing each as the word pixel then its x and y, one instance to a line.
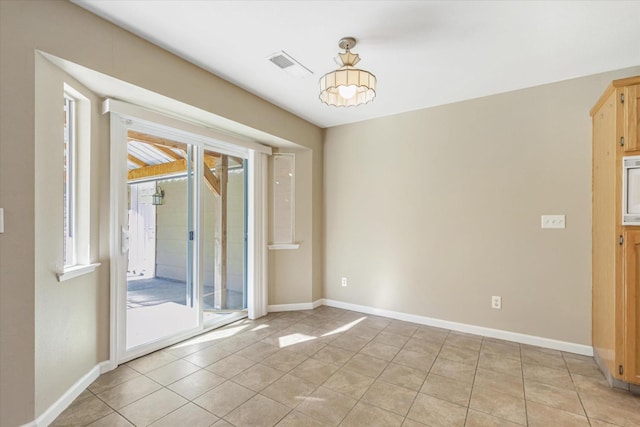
pixel 424 53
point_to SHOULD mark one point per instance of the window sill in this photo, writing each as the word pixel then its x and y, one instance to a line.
pixel 77 270
pixel 282 246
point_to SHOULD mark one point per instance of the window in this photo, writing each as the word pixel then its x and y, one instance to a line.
pixel 69 187
pixel 283 185
pixel 76 184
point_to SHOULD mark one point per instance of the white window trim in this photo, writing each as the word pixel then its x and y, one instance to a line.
pixel 81 263
pixel 70 256
pixel 76 271
pixel 283 246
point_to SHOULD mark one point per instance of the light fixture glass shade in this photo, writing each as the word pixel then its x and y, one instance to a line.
pixel 334 84
pixel 157 198
pixel 347 86
pixel 347 91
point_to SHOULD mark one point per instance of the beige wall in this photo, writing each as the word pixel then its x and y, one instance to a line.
pixel 432 212
pixel 429 212
pixel 67 314
pixel 317 221
pixel 31 301
pixel 289 285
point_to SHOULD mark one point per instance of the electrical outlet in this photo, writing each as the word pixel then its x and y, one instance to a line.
pixel 552 221
pixel 344 282
pixel 496 302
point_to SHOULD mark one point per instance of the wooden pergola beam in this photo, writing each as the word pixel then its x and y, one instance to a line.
pixel 223 175
pixel 238 160
pixel 210 161
pixel 162 144
pixel 176 166
pixel 168 151
pixel 211 180
pixel 158 170
pixel 155 140
pixel 136 160
pixel 223 170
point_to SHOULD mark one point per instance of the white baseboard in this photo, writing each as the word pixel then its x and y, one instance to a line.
pixel 470 329
pixel 53 411
pixel 295 307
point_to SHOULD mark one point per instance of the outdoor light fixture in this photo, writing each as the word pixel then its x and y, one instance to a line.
pixel 158 197
pixel 347 86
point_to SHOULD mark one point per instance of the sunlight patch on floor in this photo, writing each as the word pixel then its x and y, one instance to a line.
pixel 152 323
pixel 344 328
pixel 292 339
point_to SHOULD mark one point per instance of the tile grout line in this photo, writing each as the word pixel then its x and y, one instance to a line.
pixel 524 389
pixel 473 382
pixel 374 379
pixel 285 323
pixel 365 392
pixel 427 374
pixel 577 391
pixel 317 386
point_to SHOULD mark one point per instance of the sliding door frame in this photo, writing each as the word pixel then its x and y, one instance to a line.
pixel 124 117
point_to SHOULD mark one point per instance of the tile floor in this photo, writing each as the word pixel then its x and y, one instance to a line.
pixel 336 367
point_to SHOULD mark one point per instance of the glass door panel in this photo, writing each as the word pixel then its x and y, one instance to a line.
pixel 224 235
pixel 160 288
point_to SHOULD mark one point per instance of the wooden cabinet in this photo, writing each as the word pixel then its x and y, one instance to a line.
pixel 631 97
pixel 615 248
pixel 631 360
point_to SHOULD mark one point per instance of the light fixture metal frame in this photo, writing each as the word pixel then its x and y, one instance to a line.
pixel 157 198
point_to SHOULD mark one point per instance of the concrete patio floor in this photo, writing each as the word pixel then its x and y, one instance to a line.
pixel 155 291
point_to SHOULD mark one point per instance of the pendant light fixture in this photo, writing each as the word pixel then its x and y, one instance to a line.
pixel 347 86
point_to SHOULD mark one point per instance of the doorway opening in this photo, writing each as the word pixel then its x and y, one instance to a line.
pixel 186 227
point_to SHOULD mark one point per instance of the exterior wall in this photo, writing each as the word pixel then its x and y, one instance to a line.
pixel 171 217
pixel 433 212
pixel 171 232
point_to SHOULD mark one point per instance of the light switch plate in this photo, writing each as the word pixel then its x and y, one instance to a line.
pixel 552 221
pixel 1 220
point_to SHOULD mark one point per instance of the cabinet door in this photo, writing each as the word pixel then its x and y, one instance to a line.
pixel 631 118
pixel 632 306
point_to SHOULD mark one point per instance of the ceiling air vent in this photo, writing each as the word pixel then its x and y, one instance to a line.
pixel 288 64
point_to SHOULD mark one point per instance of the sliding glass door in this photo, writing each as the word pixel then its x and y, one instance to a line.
pixel 224 234
pixel 181 213
pixel 160 294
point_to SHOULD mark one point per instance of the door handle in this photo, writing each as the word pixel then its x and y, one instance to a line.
pixel 124 240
